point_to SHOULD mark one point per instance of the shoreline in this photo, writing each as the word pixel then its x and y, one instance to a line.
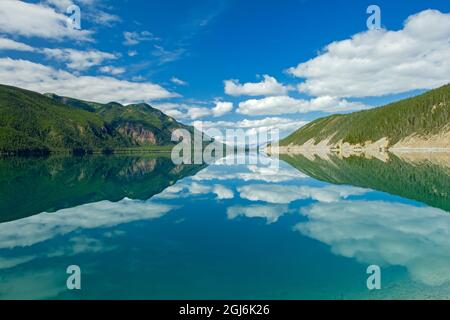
pixel 68 152
pixel 382 154
pixel 301 149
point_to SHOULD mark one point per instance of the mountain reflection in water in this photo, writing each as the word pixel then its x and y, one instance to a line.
pixel 143 228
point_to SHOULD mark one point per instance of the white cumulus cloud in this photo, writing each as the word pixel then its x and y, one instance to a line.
pixel 254 127
pixel 8 44
pixel 78 59
pixel 221 108
pixel 382 62
pixel 90 9
pixel 36 20
pixel 37 77
pixel 287 105
pixel 268 87
pixel 195 111
pixel 112 70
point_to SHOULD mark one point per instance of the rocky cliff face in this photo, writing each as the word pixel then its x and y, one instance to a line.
pixel 436 141
pixel 137 134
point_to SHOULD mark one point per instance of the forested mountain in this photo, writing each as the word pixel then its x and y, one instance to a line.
pixel 34 123
pixel 418 120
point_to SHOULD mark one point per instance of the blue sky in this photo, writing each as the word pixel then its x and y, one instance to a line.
pixel 177 55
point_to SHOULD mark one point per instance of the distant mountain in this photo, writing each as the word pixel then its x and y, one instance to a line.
pixel 34 123
pixel 419 122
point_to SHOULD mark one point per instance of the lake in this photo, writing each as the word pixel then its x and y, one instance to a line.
pixel 140 227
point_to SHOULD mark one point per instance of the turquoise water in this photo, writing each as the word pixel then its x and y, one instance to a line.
pixel 143 228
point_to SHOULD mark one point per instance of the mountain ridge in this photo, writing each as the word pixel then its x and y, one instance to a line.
pixel 34 123
pixel 422 121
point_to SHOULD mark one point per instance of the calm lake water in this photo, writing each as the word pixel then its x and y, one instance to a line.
pixel 142 228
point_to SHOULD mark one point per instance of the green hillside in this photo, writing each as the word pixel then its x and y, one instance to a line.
pixel 139 124
pixel 426 114
pixel 35 123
